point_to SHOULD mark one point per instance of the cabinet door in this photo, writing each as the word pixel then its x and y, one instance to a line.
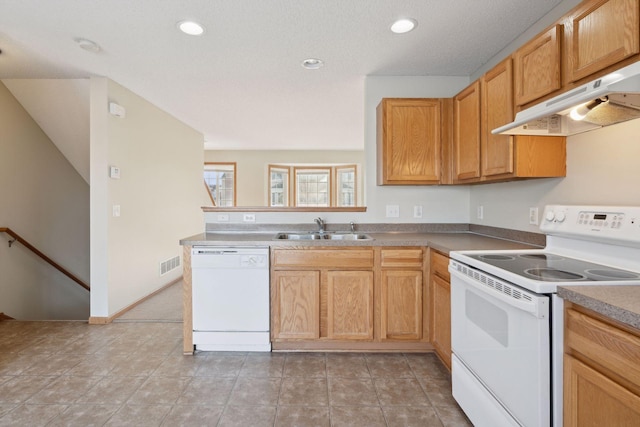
pixel 409 141
pixel 497 110
pixel 350 305
pixel 601 33
pixel 466 134
pixel 592 399
pixel 296 304
pixel 537 66
pixel 441 320
pixel 401 305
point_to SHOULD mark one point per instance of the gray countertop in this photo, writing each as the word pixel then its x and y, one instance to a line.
pixel 442 242
pixel 621 303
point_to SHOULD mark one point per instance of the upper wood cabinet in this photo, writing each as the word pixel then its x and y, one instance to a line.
pixel 466 134
pixel 480 156
pixel 408 141
pixel 537 66
pixel 496 151
pixel 600 33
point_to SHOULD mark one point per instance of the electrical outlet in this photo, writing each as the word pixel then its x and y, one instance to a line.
pixel 393 211
pixel 417 211
pixel 249 218
pixel 480 212
pixel 116 210
pixel 223 217
pixel 533 216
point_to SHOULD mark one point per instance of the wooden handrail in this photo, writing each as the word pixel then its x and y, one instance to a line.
pixel 29 246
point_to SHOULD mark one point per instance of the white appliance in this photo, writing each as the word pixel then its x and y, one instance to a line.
pixel 230 298
pixel 610 99
pixel 507 321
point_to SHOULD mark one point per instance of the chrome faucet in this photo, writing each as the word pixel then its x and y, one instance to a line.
pixel 353 227
pixel 320 223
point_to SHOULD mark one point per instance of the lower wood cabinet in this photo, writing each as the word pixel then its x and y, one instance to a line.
pixel 349 298
pixel 440 306
pixel 601 371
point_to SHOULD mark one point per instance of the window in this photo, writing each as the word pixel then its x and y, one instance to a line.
pixel 312 186
pixel 220 179
pixel 346 186
pixel 278 185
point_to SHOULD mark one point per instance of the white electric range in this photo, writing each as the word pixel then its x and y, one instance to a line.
pixel 507 321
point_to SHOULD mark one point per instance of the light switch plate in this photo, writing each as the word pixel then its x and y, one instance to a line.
pixel 116 210
pixel 223 217
pixel 417 211
pixel 393 211
pixel 114 172
pixel 249 218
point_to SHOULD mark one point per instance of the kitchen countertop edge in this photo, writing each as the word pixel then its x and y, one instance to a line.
pixel 618 302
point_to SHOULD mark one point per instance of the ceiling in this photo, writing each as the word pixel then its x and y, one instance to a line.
pixel 241 83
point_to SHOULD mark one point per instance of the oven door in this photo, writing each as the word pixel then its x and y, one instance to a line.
pixel 500 337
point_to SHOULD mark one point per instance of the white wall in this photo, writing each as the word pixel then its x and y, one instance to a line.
pixel 159 193
pixel 440 204
pixel 602 169
pixel 45 200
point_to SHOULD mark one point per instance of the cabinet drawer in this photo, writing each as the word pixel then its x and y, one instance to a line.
pixel 401 258
pixel 440 265
pixel 612 348
pixel 319 258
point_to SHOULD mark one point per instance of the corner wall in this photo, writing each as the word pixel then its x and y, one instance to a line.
pixel 46 201
pixel 159 193
pixel 602 169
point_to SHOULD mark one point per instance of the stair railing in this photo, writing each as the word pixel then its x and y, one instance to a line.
pixel 17 238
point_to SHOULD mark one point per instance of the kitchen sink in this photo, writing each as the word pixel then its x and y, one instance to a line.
pixel 322 236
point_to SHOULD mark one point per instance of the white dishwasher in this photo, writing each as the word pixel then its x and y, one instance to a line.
pixel 230 298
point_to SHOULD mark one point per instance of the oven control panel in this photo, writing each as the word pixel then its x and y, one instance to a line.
pixel 619 223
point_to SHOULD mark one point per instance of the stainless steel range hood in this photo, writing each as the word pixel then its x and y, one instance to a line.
pixel 616 96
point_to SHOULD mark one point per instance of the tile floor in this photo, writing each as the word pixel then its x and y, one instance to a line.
pixel 134 374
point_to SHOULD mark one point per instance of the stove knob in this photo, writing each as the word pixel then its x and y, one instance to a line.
pixel 561 216
pixel 549 216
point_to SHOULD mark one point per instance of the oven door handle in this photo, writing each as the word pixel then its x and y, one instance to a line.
pixel 536 305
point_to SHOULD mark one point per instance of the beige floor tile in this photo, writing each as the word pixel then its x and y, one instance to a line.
pixel 400 392
pixel 84 416
pixel 438 391
pixel 179 366
pixel 64 390
pixel 138 366
pixel 263 365
pixel 20 388
pixel 111 390
pixel 193 415
pixel 220 365
pixel 6 407
pixel 207 390
pixel 388 366
pixel 255 391
pixel 352 392
pixel 31 415
pixel 347 365
pixel 97 364
pixel 159 390
pixel 243 416
pixel 308 365
pixel 17 363
pixel 406 416
pixel 427 366
pixel 304 391
pixel 309 416
pixel 357 416
pixel 453 416
pixel 139 416
pixel 55 364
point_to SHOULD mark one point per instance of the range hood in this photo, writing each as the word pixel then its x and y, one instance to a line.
pixel 611 99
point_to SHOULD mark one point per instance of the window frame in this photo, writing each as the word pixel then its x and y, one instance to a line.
pixel 287 182
pixel 328 170
pixel 235 181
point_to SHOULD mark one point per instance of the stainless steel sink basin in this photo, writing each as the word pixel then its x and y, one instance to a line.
pixel 322 236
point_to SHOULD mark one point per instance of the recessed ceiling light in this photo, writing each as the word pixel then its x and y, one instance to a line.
pixel 88 45
pixel 404 25
pixel 312 63
pixel 191 28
